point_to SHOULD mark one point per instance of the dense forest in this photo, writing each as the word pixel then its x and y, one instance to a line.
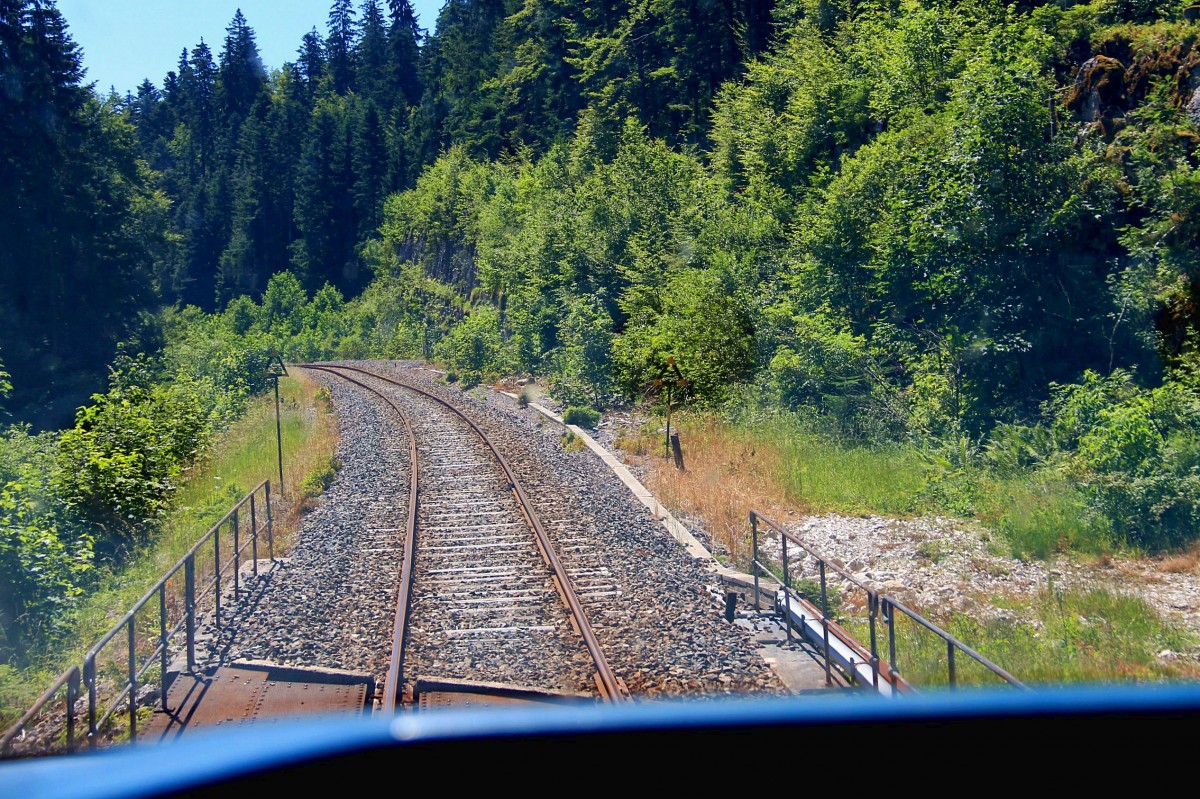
pixel 901 221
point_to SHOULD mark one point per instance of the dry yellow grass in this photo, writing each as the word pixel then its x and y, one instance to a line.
pixel 726 476
pixel 1184 563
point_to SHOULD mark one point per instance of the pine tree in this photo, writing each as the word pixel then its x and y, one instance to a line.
pixel 371 63
pixel 241 76
pixel 324 210
pixel 339 45
pixel 370 162
pixel 404 45
pixel 74 274
pixel 311 65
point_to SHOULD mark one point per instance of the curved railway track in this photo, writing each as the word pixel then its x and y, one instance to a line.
pixel 484 594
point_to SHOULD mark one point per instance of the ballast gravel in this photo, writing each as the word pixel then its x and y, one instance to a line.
pixel 331 603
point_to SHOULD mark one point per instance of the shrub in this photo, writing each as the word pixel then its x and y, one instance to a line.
pixel 42 569
pixel 582 417
pixel 472 347
pixel 318 480
pixel 1137 454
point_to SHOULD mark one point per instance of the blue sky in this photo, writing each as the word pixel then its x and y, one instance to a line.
pixel 125 41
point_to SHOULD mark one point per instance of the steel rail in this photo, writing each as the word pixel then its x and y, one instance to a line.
pixel 610 686
pixel 394 679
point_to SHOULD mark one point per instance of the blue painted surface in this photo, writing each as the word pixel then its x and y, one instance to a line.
pixel 215 756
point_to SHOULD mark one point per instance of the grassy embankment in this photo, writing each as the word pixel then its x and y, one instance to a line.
pixel 781 469
pixel 240 459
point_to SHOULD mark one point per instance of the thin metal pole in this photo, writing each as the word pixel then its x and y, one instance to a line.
pixel 237 554
pixel 72 698
pixel 270 523
pixel 278 434
pixel 825 623
pixel 253 534
pixel 754 560
pixel 133 680
pixel 217 577
pixel 950 660
pixel 890 614
pixel 162 639
pixel 189 600
pixel 787 590
pixel 89 679
pixel 873 607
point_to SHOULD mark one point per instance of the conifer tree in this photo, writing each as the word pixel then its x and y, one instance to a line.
pixel 311 65
pixel 404 45
pixel 241 75
pixel 339 45
pixel 371 65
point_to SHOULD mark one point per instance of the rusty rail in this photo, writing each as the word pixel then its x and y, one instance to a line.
pixel 878 604
pixel 395 676
pixel 610 686
pixel 137 662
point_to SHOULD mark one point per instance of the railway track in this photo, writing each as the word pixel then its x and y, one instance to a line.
pixel 484 594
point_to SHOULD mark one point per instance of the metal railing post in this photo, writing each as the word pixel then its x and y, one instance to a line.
pixel 890 614
pixel 217 575
pixel 754 560
pixel 189 602
pixel 873 604
pixel 237 554
pixel 162 639
pixel 270 523
pixel 133 684
pixel 787 590
pixel 950 661
pixel 89 679
pixel 825 622
pixel 253 534
pixel 72 698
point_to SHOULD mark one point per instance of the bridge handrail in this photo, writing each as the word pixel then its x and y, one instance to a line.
pixel 97 713
pixel 877 602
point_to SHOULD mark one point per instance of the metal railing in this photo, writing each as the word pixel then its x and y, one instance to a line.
pixel 878 606
pixel 119 666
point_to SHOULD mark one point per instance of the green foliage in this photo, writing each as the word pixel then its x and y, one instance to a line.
pixel 703 324
pixel 120 463
pixel 581 416
pixel 319 480
pixel 584 368
pixel 1073 637
pixel 472 347
pixel 1043 515
pixel 1137 452
pixel 43 567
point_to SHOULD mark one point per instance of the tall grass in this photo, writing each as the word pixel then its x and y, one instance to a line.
pixel 242 457
pixel 1092 636
pixel 1041 515
pixel 779 467
pixel 729 471
pixel 777 464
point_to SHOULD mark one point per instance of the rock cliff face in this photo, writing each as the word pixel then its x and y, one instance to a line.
pixel 1099 89
pixel 1105 88
pixel 1099 96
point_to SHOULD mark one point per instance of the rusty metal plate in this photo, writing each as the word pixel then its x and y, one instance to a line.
pixel 236 696
pixel 432 693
